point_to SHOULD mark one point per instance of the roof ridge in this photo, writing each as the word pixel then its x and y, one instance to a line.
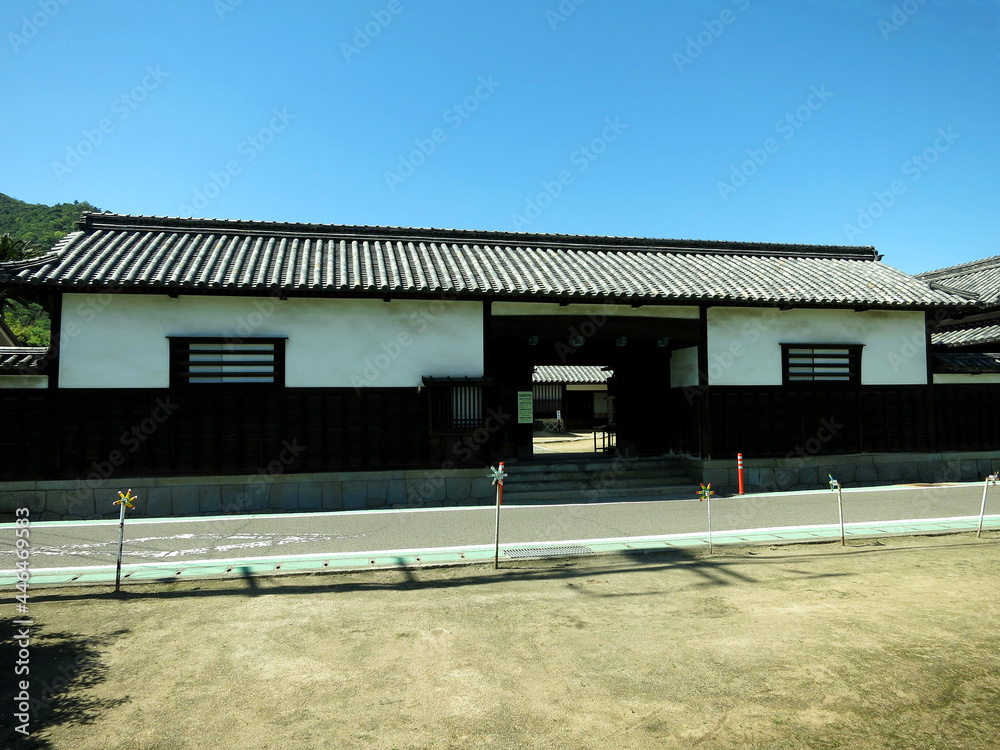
pixel 96 220
pixel 973 265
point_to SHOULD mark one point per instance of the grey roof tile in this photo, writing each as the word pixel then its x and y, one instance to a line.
pixel 22 360
pixel 576 374
pixel 200 255
pixel 966 362
pixel 980 277
pixel 971 334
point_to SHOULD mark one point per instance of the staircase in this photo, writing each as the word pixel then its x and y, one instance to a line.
pixel 597 480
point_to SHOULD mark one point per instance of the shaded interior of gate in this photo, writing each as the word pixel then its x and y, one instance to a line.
pixel 649 420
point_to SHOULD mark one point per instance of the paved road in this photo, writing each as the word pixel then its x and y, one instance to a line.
pixel 90 543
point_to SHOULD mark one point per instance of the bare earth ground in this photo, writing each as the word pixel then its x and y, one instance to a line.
pixel 889 644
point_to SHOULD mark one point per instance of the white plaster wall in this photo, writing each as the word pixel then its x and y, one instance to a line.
pixel 950 377
pixel 684 368
pixel 744 343
pixel 120 341
pixel 626 311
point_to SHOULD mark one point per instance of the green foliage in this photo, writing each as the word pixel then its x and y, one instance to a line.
pixel 37 224
pixel 11 249
pixel 30 229
pixel 29 323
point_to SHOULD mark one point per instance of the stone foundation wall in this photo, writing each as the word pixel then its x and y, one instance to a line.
pixel 860 470
pixel 164 497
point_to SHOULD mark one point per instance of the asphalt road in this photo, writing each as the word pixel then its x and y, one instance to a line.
pixel 87 543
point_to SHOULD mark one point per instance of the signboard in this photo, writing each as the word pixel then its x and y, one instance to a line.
pixel 525 407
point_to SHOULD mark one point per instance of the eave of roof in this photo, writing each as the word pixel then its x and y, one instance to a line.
pixel 195 256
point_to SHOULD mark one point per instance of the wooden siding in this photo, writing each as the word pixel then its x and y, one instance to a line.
pixel 75 433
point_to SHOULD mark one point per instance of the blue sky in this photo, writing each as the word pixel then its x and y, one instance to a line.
pixel 817 121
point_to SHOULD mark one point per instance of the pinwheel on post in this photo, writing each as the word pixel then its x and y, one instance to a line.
pixel 125 500
pixel 835 485
pixel 498 477
pixel 705 493
pixel 991 479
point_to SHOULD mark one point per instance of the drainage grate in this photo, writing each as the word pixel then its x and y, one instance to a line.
pixel 547 551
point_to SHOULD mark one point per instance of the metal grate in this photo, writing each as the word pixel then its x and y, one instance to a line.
pixel 547 551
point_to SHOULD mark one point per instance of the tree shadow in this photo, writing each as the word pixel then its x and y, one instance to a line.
pixel 61 667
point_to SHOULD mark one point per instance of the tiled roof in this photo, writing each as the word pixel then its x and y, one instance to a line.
pixel 137 253
pixel 22 360
pixel 971 362
pixel 576 374
pixel 972 334
pixel 980 277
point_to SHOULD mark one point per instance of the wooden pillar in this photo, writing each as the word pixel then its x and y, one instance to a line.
pixel 704 391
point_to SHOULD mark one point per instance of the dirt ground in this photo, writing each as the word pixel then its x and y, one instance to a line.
pixel 889 644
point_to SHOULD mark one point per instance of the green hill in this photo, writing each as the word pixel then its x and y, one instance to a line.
pixel 42 226
pixel 37 223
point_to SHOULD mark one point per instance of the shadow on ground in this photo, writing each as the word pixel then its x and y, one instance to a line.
pixel 59 666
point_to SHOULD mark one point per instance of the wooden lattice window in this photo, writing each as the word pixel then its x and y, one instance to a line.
pixel 836 364
pixel 455 405
pixel 215 361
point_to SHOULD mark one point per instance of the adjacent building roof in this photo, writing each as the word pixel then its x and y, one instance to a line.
pixel 966 363
pixel 22 360
pixel 980 278
pixel 573 374
pixel 153 254
pixel 970 334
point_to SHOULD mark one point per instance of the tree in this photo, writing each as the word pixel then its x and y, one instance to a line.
pixel 12 249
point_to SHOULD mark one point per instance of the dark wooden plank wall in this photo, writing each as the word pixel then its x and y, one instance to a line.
pixel 776 422
pixel 75 433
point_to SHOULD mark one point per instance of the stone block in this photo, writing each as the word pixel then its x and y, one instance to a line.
pixel 333 495
pixel 256 497
pixel 887 472
pixel 310 496
pixel 157 502
pixel 210 499
pixel 425 492
pixel 284 496
pixel 969 471
pixel 458 489
pixel 33 500
pixel 953 471
pixel 985 467
pixel 355 494
pixel 717 477
pixel 185 500
pixel 865 474
pixel 809 476
pixel 927 471
pixel 396 495
pixel 233 499
pixel 82 504
pixel 376 492
pixel 767 480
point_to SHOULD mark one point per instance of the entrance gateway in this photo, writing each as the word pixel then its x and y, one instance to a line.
pixel 635 343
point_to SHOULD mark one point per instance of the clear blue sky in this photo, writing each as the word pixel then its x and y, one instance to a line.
pixel 815 121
